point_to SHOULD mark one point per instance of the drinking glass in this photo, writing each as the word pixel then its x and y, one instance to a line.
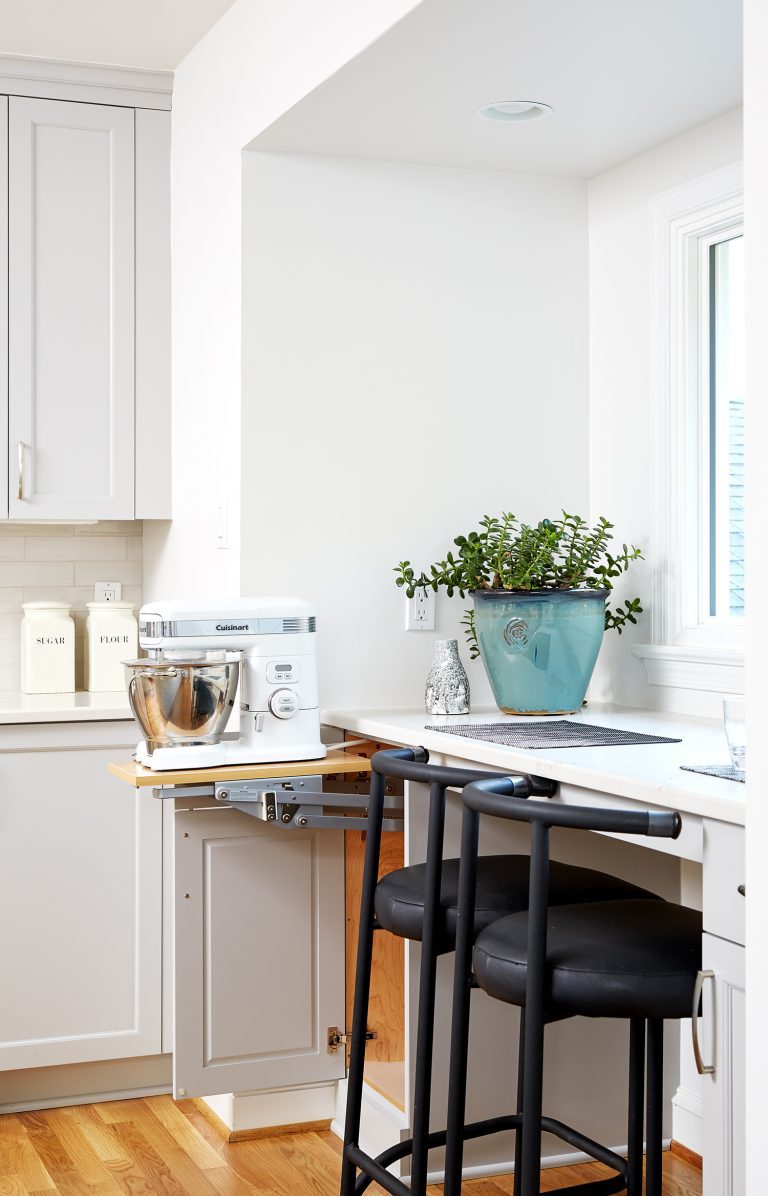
pixel 734 717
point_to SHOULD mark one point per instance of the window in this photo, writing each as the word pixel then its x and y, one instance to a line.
pixel 724 551
pixel 697 553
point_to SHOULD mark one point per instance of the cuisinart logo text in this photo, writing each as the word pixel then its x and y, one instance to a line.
pixel 232 626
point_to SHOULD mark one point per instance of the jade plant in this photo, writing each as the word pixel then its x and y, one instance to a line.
pixel 555 554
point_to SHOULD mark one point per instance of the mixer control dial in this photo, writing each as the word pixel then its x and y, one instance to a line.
pixel 284 703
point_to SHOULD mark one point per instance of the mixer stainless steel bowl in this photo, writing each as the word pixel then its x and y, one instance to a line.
pixel 182 702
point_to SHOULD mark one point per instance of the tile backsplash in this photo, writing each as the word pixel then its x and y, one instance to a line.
pixel 62 562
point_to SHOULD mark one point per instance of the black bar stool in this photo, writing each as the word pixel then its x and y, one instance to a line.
pixel 621 959
pixel 421 903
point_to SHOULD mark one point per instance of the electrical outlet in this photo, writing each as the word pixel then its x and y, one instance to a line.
pixel 420 611
pixel 108 591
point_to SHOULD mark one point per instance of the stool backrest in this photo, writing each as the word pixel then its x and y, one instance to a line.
pixel 491 797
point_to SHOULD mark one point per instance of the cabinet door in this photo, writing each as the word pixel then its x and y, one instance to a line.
pixel 723 1033
pixel 258 953
pixel 80 890
pixel 71 318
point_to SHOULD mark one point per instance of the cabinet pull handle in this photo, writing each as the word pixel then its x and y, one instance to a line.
pixel 743 890
pixel 20 490
pixel 704 1069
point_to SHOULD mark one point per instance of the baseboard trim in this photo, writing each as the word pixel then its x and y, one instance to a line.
pixel 84 1098
pixel 685 1152
pixel 276 1111
pixel 29 1089
pixel 570 1159
pixel 264 1131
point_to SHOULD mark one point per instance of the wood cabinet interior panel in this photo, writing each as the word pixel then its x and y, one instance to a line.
pixel 385 1055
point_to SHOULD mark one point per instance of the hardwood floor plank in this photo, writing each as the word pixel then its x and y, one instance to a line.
pixel 20 1161
pixel 54 1155
pixel 149 1162
pixel 84 1159
pixel 101 1138
pixel 156 1147
pixel 172 1118
pixel 170 1150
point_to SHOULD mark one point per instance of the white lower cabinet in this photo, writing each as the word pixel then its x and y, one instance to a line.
pixel 724 1088
pixel 722 1025
pixel 258 952
pixel 81 891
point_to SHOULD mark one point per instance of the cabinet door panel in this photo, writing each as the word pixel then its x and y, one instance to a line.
pixel 724 1090
pixel 80 887
pixel 258 953
pixel 71 278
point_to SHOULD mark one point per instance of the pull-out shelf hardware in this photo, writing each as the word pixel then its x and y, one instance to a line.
pixel 287 802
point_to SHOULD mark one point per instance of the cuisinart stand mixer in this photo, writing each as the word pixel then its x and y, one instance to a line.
pixel 183 693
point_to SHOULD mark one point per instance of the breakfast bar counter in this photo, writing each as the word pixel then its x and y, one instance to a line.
pixel 703 868
pixel 641 772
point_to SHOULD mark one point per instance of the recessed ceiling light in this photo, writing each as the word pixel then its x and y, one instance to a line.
pixel 514 110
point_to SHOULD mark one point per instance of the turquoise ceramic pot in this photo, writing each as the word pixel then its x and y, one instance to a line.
pixel 539 648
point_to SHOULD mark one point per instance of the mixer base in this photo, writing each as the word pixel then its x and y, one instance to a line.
pixel 220 755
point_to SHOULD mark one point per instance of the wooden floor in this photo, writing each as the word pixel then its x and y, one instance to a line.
pixel 157 1146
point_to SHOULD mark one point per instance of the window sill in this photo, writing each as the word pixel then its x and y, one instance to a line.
pixel 719 670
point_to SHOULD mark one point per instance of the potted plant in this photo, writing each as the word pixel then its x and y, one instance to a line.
pixel 540 604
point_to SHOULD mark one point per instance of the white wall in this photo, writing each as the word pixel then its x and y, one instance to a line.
pixel 622 482
pixel 257 61
pixel 415 345
pixel 756 207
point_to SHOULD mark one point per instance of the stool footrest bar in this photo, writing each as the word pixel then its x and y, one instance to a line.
pixel 588 1145
pixel 373 1170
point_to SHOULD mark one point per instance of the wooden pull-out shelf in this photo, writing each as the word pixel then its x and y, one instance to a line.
pixel 335 762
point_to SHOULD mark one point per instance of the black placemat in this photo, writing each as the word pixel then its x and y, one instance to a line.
pixel 555 733
pixel 725 771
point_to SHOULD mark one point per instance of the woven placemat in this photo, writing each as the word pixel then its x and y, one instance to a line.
pixel 555 733
pixel 726 771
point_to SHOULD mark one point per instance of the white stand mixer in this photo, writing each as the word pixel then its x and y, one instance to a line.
pixel 183 694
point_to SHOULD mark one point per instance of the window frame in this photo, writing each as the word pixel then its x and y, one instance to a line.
pixel 689 647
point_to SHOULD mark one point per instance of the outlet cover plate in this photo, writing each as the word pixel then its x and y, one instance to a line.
pixel 108 591
pixel 420 611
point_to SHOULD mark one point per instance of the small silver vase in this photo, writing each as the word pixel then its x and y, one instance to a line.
pixel 447 688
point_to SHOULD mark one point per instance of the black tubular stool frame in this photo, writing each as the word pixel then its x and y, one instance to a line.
pixel 492 797
pixel 409 764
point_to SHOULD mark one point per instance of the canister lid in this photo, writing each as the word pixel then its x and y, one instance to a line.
pixel 110 605
pixel 46 606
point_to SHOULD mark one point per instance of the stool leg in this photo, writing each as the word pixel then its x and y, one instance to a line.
pixel 636 1093
pixel 422 1084
pixel 655 1107
pixel 519 1132
pixel 462 981
pixel 535 988
pixel 362 981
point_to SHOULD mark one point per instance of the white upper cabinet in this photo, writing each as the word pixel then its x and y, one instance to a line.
pixel 71 315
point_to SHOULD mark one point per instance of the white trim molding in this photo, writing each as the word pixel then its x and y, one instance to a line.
pixel 686 650
pixel 49 79
pixel 714 669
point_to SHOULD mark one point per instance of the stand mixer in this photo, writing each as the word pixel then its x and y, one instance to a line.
pixel 183 693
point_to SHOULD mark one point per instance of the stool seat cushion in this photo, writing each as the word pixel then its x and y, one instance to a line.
pixel 611 959
pixel 502 888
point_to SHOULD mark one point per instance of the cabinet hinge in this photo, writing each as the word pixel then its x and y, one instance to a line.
pixel 337 1039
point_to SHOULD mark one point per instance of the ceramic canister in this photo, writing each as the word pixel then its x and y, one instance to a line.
pixel 111 637
pixel 47 648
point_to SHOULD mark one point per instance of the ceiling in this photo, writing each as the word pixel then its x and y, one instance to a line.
pixel 622 76
pixel 155 34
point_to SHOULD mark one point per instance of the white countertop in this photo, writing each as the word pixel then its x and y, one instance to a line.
pixel 17 707
pixel 641 772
